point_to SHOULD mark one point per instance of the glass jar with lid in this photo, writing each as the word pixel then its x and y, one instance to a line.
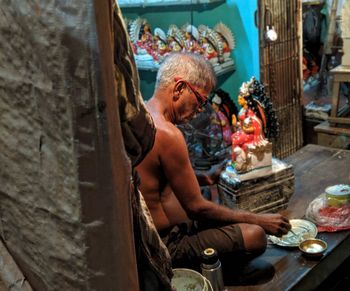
pixel 338 195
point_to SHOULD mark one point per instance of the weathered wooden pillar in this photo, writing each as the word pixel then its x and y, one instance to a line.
pixel 64 176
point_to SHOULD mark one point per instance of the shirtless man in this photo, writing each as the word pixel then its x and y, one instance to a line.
pixel 186 221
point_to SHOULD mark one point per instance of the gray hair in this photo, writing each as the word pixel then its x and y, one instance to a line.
pixel 191 67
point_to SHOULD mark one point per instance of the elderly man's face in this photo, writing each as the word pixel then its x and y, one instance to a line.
pixel 192 101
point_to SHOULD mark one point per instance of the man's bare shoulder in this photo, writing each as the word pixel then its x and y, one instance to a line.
pixel 168 130
pixel 170 141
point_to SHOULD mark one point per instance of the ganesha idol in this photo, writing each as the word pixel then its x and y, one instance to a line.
pixel 250 148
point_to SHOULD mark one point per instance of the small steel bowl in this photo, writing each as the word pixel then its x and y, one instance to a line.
pixel 313 247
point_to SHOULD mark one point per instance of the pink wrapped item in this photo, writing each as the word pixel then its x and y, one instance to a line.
pixel 328 218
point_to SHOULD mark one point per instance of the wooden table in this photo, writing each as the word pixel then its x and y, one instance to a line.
pixel 315 168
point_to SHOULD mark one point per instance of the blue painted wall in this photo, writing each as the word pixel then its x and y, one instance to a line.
pixel 238 15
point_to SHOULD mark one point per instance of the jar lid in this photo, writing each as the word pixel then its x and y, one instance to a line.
pixel 209 256
pixel 339 191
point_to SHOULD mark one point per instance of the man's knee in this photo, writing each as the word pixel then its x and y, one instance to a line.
pixel 254 238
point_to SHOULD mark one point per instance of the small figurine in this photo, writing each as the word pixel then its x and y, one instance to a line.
pixel 160 43
pixel 209 51
pixel 143 44
pixel 209 41
pixel 227 40
pixel 176 39
pixel 224 108
pixel 250 148
pixel 191 39
pixel 221 120
pixel 143 38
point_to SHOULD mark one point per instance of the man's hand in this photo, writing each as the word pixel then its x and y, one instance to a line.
pixel 274 223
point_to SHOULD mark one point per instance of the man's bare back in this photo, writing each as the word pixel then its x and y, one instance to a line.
pixel 165 208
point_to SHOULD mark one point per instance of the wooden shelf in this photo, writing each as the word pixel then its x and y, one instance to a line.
pixel 153 3
pixel 312 2
pixel 219 70
pixel 147 68
pixel 223 70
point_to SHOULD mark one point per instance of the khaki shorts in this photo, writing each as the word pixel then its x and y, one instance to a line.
pixel 186 241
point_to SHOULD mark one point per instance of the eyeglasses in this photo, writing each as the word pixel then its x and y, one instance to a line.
pixel 202 100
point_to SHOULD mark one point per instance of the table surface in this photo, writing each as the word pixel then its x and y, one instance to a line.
pixel 315 168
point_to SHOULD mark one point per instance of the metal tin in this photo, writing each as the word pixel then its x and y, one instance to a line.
pixel 338 195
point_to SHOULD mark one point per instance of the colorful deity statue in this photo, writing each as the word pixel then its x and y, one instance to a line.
pixel 191 43
pixel 220 120
pixel 174 44
pixel 209 51
pixel 176 39
pixel 145 37
pixel 141 36
pixel 143 44
pixel 223 108
pixel 227 41
pixel 160 43
pixel 250 147
pixel 209 42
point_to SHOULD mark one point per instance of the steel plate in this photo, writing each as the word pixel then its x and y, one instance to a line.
pixel 301 230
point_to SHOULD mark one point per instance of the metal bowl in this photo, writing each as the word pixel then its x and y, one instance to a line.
pixel 313 247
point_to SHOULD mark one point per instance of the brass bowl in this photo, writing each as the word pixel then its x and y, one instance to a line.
pixel 313 247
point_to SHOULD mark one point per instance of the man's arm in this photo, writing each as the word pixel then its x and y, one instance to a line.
pixel 212 175
pixel 179 172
